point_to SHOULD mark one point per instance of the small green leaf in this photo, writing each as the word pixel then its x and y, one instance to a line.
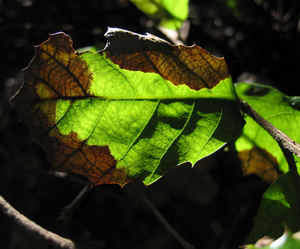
pixel 278 207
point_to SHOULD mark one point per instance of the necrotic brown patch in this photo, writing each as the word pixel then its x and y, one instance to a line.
pixel 192 66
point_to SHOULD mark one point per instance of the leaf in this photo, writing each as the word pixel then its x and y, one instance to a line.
pixel 170 13
pixel 280 110
pixel 278 207
pixel 286 241
pixel 260 162
pixel 136 109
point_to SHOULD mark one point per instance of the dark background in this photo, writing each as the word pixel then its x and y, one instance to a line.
pixel 211 205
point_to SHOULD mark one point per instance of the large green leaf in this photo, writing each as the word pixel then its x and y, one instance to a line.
pixel 280 110
pixel 278 207
pixel 136 109
pixel 170 13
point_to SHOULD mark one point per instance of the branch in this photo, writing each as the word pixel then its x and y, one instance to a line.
pixel 287 145
pixel 293 170
pixel 28 225
pixel 282 139
pixel 64 220
pixel 50 238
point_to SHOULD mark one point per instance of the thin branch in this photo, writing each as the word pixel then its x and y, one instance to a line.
pixel 293 170
pixel 287 145
pixel 31 227
pixel 71 208
pixel 67 212
pixel 282 139
pixel 163 221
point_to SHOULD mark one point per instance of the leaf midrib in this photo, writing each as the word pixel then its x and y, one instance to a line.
pixel 177 97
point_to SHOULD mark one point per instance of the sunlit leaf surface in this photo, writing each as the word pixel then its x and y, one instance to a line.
pixel 136 109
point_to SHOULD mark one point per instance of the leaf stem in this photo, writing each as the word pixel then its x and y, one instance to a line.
pixel 163 221
pixel 287 145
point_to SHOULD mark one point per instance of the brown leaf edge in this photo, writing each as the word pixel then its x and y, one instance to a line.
pixel 66 152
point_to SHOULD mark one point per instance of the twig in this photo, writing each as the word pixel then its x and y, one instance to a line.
pixel 30 226
pixel 163 221
pixel 282 139
pixel 293 171
pixel 287 145
pixel 71 208
pixel 67 212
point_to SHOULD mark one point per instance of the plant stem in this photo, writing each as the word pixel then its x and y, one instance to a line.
pixel 163 221
pixel 71 208
pixel 282 139
pixel 287 145
pixel 67 212
pixel 31 227
pixel 293 171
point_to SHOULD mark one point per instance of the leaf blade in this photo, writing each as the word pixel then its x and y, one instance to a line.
pixel 278 207
pixel 122 123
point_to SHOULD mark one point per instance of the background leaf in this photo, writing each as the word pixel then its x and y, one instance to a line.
pixel 280 110
pixel 260 162
pixel 136 109
pixel 278 207
pixel 279 204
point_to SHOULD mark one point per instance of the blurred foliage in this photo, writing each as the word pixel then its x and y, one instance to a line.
pixel 287 241
pixel 169 14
